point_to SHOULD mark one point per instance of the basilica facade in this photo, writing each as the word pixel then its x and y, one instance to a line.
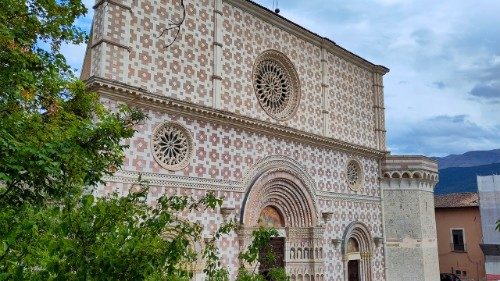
pixel 287 126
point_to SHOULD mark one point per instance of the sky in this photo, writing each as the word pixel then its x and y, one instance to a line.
pixel 442 94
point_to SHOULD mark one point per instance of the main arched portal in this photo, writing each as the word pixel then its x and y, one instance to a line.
pixel 280 194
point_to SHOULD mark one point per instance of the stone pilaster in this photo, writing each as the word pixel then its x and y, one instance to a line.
pixel 324 91
pixel 217 58
pixel 378 109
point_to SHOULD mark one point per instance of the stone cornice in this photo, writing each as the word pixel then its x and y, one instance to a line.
pixel 328 195
pixel 307 35
pixel 141 97
pixel 409 163
pixel 168 180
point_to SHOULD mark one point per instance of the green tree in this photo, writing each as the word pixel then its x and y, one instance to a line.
pixel 56 142
pixel 107 238
pixel 55 137
pixel 260 240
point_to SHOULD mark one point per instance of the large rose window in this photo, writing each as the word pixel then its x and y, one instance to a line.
pixel 276 84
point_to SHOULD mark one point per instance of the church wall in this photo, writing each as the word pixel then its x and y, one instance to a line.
pixel 244 38
pixel 129 46
pixel 349 101
pixel 226 152
pixel 223 156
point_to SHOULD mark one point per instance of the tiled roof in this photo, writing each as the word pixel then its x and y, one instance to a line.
pixel 456 200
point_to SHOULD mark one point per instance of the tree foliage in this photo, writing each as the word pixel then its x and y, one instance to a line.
pixel 56 142
pixel 107 238
pixel 54 136
pixel 260 240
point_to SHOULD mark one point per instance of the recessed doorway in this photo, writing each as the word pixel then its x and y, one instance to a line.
pixel 353 270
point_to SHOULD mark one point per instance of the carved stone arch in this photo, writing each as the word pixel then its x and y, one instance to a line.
pixel 396 175
pixel 280 182
pixel 406 175
pixel 361 234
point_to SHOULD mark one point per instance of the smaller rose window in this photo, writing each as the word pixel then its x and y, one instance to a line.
pixel 354 175
pixel 172 146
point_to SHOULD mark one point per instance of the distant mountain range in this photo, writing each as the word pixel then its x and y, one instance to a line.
pixel 457 173
pixel 469 159
pixel 463 179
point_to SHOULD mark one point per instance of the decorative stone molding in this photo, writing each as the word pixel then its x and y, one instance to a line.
pixel 226 212
pixel 287 171
pixel 172 146
pixel 140 97
pixel 276 84
pixel 360 233
pixel 327 216
pixel 347 197
pixel 167 180
pixel 409 173
pixel 280 182
pixel 378 241
pixel 284 192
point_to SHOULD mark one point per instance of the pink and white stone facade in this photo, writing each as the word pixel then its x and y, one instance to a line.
pixel 202 81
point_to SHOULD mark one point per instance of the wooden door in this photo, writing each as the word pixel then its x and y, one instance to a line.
pixel 276 249
pixel 353 270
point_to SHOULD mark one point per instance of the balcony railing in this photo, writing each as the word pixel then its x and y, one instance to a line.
pixel 458 247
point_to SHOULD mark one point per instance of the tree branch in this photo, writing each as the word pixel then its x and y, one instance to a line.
pixel 174 25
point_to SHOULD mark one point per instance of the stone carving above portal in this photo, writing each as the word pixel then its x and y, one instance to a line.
pixel 354 175
pixel 172 146
pixel 276 84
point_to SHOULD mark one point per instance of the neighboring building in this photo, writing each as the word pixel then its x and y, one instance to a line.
pixel 459 234
pixel 489 204
pixel 286 125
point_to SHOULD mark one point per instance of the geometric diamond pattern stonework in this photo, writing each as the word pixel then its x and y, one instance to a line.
pixel 172 146
pixel 276 84
pixel 253 73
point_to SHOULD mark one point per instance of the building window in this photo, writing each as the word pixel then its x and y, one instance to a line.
pixel 458 244
pixel 172 146
pixel 354 175
pixel 276 84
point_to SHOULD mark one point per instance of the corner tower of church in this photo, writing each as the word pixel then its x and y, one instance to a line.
pixel 410 225
pixel 286 125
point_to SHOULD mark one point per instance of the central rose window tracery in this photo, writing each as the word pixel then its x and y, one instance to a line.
pixel 276 84
pixel 272 86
